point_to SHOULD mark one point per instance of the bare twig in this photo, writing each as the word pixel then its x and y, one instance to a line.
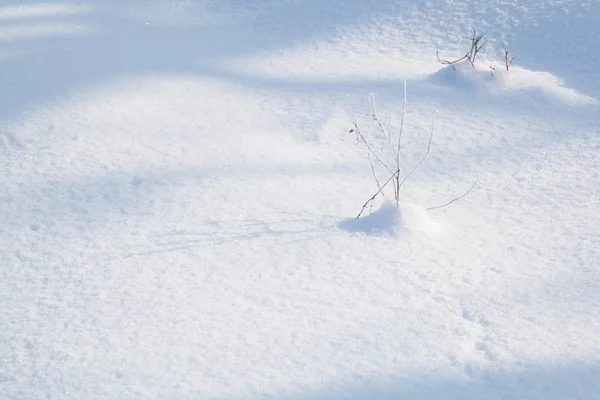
pixel 457 198
pixel 390 127
pixel 477 44
pixel 387 136
pixel 425 156
pixel 508 58
pixel 411 141
pixel 402 119
pixel 373 170
pixel 376 193
pixel 446 62
pixel 362 139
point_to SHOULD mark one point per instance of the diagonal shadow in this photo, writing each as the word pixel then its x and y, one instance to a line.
pixel 39 68
pixel 551 382
pixel 42 68
pixel 94 202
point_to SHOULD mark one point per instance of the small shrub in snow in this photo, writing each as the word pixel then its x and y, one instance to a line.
pixel 477 44
pixel 392 150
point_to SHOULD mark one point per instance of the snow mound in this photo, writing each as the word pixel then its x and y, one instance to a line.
pixel 461 76
pixel 492 77
pixel 390 220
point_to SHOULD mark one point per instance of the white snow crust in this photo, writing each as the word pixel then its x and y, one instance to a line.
pixel 179 192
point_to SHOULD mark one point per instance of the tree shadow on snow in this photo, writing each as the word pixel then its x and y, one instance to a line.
pixel 92 202
pixel 44 57
pixel 559 382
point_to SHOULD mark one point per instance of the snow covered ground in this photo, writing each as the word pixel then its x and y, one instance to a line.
pixel 179 192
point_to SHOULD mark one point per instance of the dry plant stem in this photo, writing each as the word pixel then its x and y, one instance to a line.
pixel 397 183
pixel 476 46
pixel 390 127
pixel 446 62
pixel 424 157
pixel 373 171
pixel 411 141
pixel 401 125
pixel 387 136
pixel 362 138
pixel 457 198
pixel 508 59
pixel 376 193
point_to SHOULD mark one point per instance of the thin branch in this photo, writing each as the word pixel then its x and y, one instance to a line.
pixel 457 198
pixel 388 136
pixel 475 46
pixel 446 62
pixel 373 170
pixel 390 127
pixel 390 130
pixel 411 141
pixel 375 195
pixel 362 138
pixel 402 118
pixel 471 56
pixel 397 182
pixel 426 154
pixel 508 59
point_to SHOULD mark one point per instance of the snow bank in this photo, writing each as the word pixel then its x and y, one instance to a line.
pixel 492 77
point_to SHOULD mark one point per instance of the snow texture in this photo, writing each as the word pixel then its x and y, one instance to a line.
pixel 179 193
pixel 392 220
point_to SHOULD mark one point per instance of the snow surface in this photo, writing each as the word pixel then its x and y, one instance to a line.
pixel 393 220
pixel 179 190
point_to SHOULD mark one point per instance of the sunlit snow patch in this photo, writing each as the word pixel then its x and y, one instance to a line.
pixel 40 10
pixel 41 30
pixel 492 77
pixel 390 220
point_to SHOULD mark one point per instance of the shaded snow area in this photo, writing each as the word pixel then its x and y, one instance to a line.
pixel 180 192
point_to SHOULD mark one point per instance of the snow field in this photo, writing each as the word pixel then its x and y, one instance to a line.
pixel 177 210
